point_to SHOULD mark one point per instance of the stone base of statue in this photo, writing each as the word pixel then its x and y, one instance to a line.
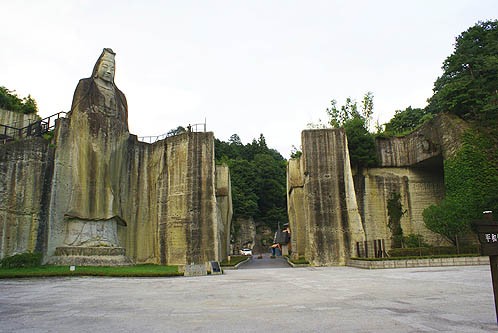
pixel 89 256
pixel 94 233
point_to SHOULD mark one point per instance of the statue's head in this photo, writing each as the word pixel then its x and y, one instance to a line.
pixel 104 68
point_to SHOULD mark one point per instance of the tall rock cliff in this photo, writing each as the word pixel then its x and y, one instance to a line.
pixel 98 190
pixel 335 213
pixel 333 224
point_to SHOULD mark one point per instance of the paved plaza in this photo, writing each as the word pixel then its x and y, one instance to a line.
pixel 331 299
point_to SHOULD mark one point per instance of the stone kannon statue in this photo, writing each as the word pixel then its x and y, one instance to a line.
pixel 98 134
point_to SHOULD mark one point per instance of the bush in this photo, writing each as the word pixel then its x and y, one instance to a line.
pixel 433 251
pixel 27 259
pixel 10 101
pixel 412 241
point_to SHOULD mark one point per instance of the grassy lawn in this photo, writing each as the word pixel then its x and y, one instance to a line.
pixel 116 271
pixel 234 260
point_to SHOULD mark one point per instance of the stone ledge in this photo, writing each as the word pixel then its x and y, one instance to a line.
pixel 414 263
pixel 293 265
pixel 89 261
pixel 89 251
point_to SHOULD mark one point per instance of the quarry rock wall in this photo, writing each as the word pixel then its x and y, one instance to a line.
pixel 171 203
pixel 224 208
pixel 25 175
pixel 331 213
pixel 332 208
pixel 17 119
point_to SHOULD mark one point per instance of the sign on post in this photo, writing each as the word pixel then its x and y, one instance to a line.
pixel 487 232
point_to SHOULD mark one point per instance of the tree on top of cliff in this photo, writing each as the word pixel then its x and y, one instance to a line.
pixel 406 121
pixel 469 84
pixel 356 122
pixel 10 101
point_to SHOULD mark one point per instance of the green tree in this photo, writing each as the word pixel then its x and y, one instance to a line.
pixel 468 86
pixel 356 122
pixel 471 179
pixel 361 143
pixel 258 175
pixel 176 131
pixel 407 120
pixel 10 101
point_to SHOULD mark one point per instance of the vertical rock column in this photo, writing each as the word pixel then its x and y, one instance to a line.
pixel 295 207
pixel 224 208
pixel 189 222
pixel 333 221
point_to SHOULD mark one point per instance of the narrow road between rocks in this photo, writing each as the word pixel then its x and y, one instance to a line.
pixel 265 262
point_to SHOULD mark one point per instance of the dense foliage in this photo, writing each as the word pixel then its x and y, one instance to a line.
pixel 27 259
pixel 406 121
pixel 469 89
pixel 10 101
pixel 395 213
pixel 258 176
pixel 471 179
pixel 356 123
pixel 469 84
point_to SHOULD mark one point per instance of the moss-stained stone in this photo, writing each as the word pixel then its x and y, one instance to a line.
pixel 331 212
pixel 224 208
pixel 17 119
pixel 295 207
pixel 331 208
pixel 25 173
pixel 101 187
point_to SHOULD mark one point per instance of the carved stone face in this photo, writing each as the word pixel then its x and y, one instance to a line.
pixel 105 70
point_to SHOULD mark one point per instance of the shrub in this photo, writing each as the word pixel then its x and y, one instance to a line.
pixel 412 240
pixel 433 251
pixel 27 259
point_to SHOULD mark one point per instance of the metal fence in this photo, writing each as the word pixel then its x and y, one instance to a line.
pixel 200 127
pixel 371 249
pixel 37 128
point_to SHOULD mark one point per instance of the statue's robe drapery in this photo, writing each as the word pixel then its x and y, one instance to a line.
pixel 98 130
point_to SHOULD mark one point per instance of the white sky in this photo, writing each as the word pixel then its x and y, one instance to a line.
pixel 248 67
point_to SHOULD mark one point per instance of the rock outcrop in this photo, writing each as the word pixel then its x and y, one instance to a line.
pixel 332 221
pixel 99 196
pixel 17 119
pixel 335 213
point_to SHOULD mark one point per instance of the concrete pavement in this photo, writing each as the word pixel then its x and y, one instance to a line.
pixel 328 299
pixel 265 262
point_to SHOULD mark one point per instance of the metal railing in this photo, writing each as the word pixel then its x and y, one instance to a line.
pixel 200 127
pixel 37 128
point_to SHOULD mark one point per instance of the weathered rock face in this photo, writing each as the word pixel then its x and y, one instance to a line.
pixel 437 138
pixel 244 235
pixel 333 224
pixel 103 189
pixel 419 188
pixel 326 205
pixel 296 208
pixel 25 173
pixel 17 119
pixel 224 207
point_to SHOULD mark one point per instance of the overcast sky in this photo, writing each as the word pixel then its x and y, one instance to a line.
pixel 247 67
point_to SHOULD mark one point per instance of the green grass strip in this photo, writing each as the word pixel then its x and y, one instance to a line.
pixel 234 260
pixel 114 271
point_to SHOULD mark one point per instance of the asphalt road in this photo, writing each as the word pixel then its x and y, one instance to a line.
pixel 265 262
pixel 328 299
